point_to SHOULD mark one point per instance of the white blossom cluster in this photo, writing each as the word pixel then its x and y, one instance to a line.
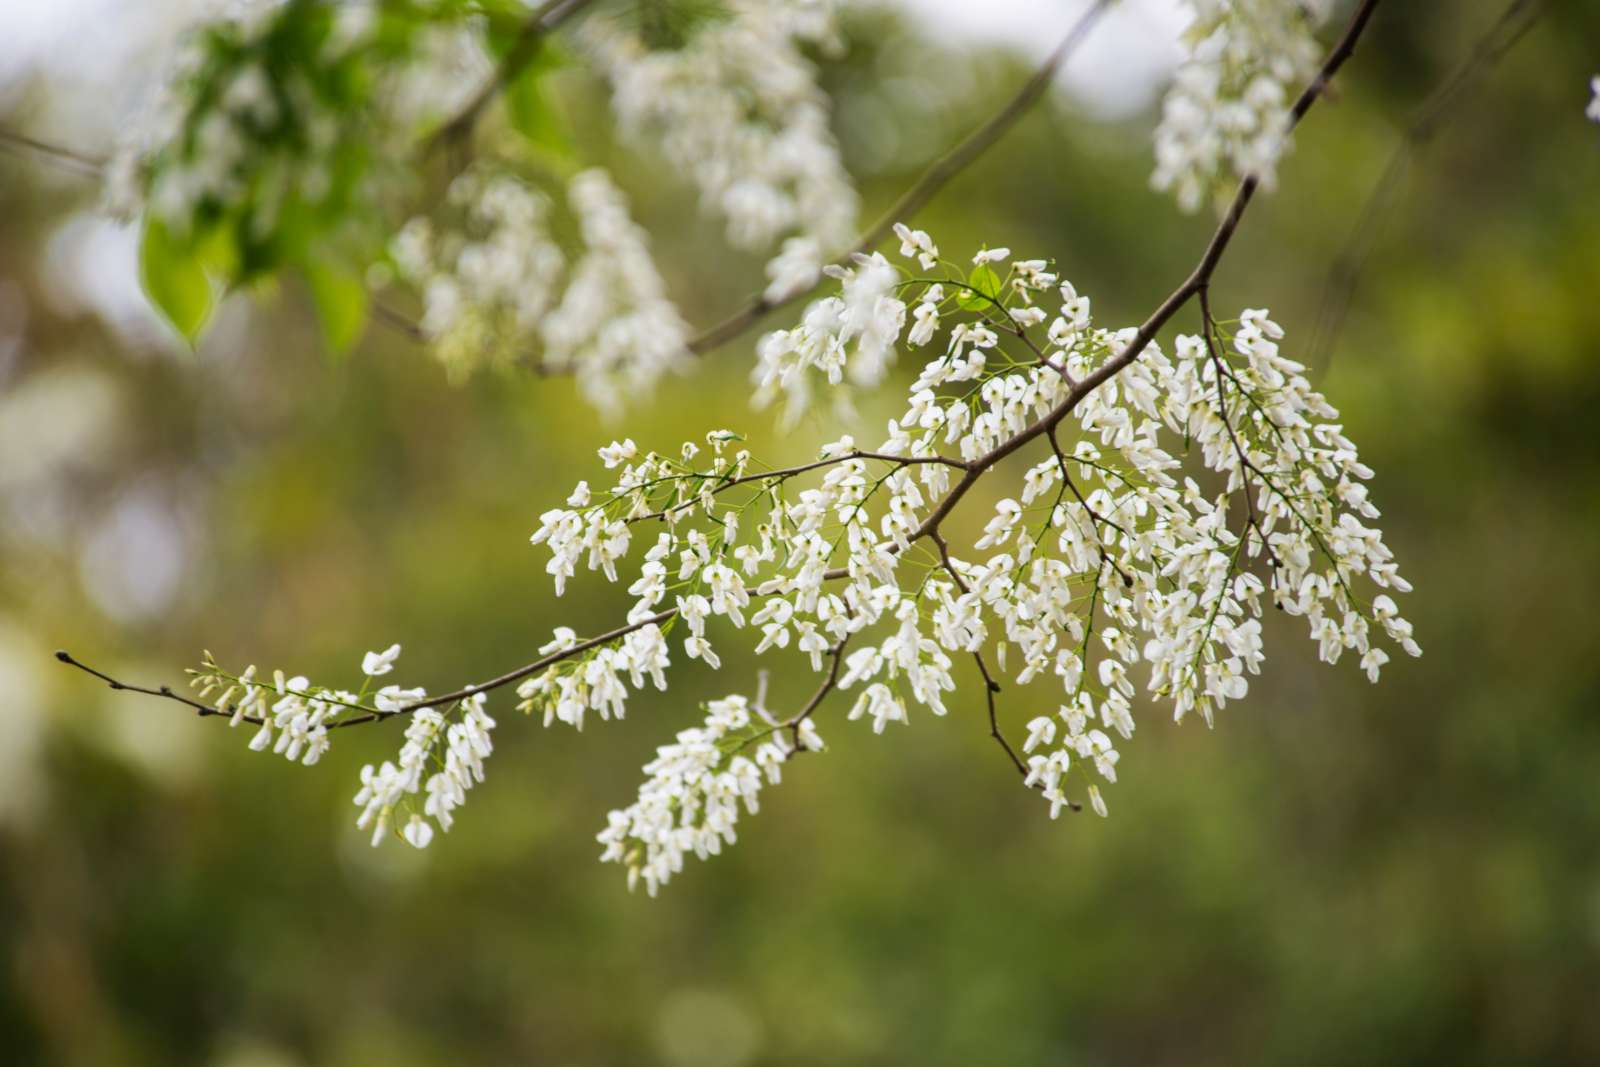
pixel 1593 110
pixel 737 109
pixel 1171 499
pixel 486 283
pixel 442 757
pixel 1196 489
pixel 614 328
pixel 691 799
pixel 291 715
pixel 455 747
pixel 499 286
pixel 851 335
pixel 595 681
pixel 1226 116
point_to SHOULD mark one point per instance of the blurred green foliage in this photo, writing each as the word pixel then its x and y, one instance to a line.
pixel 1338 873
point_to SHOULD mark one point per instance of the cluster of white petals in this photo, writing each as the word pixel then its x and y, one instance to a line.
pixel 1226 116
pixel 442 757
pixel 499 287
pixel 596 680
pixel 487 282
pixel 614 328
pixel 695 788
pixel 291 715
pixel 1175 502
pixel 849 336
pixel 737 109
pixel 452 745
pixel 1593 110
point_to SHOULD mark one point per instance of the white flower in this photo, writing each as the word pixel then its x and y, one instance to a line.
pixel 795 269
pixel 917 243
pixel 375 664
pixel 418 832
pixel 618 452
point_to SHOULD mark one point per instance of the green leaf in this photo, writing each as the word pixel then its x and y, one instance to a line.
pixel 341 301
pixel 174 279
pixel 528 103
pixel 983 280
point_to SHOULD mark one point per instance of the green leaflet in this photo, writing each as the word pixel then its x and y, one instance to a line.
pixel 174 279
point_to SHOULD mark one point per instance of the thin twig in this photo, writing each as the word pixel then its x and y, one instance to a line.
pixel 1345 273
pixel 459 127
pixel 165 692
pixel 830 682
pixel 783 474
pixel 68 159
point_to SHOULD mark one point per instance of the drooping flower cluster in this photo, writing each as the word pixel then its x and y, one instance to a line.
pixel 691 800
pixel 851 335
pixel 293 718
pixel 456 743
pixel 596 680
pixel 486 284
pixel 1194 489
pixel 736 107
pixel 1226 116
pixel 291 715
pixel 498 288
pixel 614 328
pixel 1173 498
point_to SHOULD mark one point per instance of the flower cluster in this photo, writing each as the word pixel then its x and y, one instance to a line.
pixel 850 335
pixel 615 327
pixel 499 285
pixel 1593 110
pixel 736 107
pixel 291 715
pixel 487 283
pixel 1176 495
pixel 456 743
pixel 1195 489
pixel 595 680
pixel 1226 116
pixel 293 718
pixel 691 798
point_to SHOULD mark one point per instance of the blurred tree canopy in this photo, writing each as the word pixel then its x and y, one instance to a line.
pixel 1338 872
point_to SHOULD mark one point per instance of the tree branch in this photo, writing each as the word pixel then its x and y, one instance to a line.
pixel 548 17
pixel 783 474
pixel 67 159
pixel 1195 283
pixel 165 692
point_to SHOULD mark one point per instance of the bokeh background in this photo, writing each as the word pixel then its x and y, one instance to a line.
pixel 1338 873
